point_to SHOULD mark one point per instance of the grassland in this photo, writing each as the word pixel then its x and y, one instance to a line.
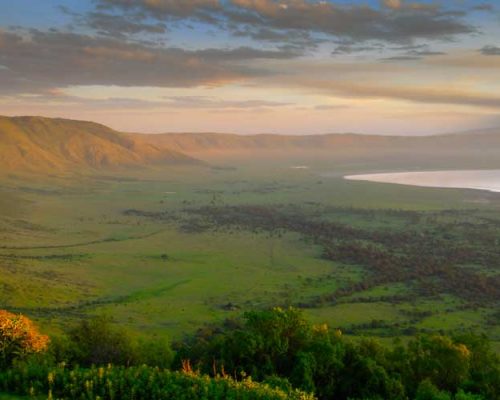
pixel 132 246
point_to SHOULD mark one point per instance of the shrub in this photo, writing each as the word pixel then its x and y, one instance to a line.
pixel 118 382
pixel 427 391
pixel 96 342
pixel 155 352
pixel 18 338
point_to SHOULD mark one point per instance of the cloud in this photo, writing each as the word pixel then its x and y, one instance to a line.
pixel 415 53
pixel 330 107
pixel 394 4
pixel 164 8
pixel 423 53
pixel 468 60
pixel 401 58
pixel 44 60
pixel 59 98
pixel 403 5
pixel 417 94
pixel 298 40
pixel 356 21
pixel 207 102
pixel 115 25
pixel 397 22
pixel 120 26
pixel 121 47
pixel 245 53
pixel 484 7
pixel 490 51
pixel 350 48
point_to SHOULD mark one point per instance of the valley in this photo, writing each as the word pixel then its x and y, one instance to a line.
pixel 168 249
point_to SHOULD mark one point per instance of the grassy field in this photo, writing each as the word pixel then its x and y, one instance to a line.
pixel 132 246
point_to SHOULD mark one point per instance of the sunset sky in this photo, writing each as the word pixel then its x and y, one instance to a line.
pixel 254 66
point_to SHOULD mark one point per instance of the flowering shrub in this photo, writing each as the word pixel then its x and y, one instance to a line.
pixel 18 337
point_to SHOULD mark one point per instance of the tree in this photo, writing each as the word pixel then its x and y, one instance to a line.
pixel 484 374
pixel 97 342
pixel 427 391
pixel 18 338
pixel 154 352
pixel 440 360
pixel 461 395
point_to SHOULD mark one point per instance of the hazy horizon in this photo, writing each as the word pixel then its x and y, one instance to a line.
pixel 162 132
pixel 390 67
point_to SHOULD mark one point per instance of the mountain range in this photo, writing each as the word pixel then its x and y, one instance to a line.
pixel 51 145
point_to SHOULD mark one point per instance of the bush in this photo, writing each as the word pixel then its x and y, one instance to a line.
pixel 112 382
pixel 155 352
pixel 97 342
pixel 441 360
pixel 427 391
pixel 461 395
pixel 19 337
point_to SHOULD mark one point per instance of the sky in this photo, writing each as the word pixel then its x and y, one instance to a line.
pixel 254 66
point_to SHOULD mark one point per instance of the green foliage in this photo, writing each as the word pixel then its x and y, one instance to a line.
pixel 484 366
pixel 97 341
pixel 155 352
pixel 438 359
pixel 112 382
pixel 10 397
pixel 278 347
pixel 281 344
pixel 427 391
pixel 461 395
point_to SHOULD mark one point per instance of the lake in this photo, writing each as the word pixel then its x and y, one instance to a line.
pixel 471 179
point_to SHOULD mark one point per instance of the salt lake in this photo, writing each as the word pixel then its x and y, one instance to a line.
pixel 469 179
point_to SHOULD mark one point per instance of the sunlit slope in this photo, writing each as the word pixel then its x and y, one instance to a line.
pixel 35 144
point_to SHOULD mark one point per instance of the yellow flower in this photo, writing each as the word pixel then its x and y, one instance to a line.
pixel 50 378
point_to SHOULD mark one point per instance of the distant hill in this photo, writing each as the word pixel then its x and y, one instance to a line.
pixel 45 145
pixel 207 142
pixel 473 149
pixel 35 144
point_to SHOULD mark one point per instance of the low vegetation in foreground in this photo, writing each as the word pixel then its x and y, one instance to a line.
pixel 268 354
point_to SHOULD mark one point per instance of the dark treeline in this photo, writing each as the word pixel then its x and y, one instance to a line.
pixel 434 255
pixel 278 349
